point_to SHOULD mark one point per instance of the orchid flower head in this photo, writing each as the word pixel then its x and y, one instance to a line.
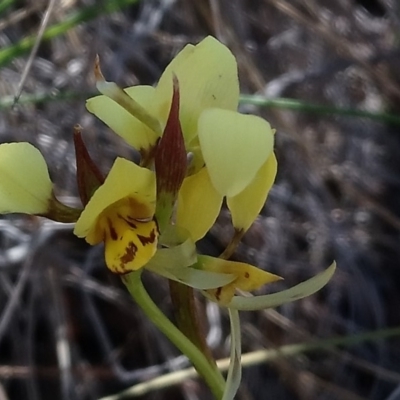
pixel 232 153
pixel 197 151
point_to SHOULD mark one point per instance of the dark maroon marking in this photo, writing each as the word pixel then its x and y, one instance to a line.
pixel 127 220
pixel 147 239
pixel 131 224
pixel 130 253
pixel 89 177
pixel 170 160
pixel 113 232
pixel 246 275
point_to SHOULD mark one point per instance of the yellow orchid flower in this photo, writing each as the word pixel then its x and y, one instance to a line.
pixel 121 213
pixel 197 150
pixel 231 154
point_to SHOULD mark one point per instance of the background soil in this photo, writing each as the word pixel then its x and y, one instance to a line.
pixel 68 330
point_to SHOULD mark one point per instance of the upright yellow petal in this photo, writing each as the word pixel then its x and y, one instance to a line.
pixel 246 205
pixel 25 185
pixel 125 180
pixel 198 204
pixel 234 147
pixel 124 124
pixel 207 75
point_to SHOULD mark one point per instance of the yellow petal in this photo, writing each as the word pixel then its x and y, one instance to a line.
pixel 207 75
pixel 198 204
pixel 129 243
pixel 125 180
pixel 124 124
pixel 25 185
pixel 234 147
pixel 248 278
pixel 247 204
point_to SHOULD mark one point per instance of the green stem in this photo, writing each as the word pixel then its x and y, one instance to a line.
pixel 232 245
pixel 280 103
pixel 42 98
pixel 312 108
pixel 60 212
pixel 135 287
pixel 187 318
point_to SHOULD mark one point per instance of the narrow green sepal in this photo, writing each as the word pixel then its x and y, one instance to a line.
pixel 88 175
pixel 300 291
pixel 235 366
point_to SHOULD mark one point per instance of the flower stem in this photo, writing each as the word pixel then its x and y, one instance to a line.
pixel 60 212
pixel 135 287
pixel 232 245
pixel 187 318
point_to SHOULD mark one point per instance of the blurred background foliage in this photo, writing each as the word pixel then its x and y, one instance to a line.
pixel 326 75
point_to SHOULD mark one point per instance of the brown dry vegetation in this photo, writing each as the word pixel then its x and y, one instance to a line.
pixel 336 197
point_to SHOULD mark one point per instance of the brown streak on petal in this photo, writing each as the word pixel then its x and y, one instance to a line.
pixel 130 253
pixel 246 275
pixel 131 224
pixel 113 232
pixel 218 293
pixel 147 239
pixel 127 220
